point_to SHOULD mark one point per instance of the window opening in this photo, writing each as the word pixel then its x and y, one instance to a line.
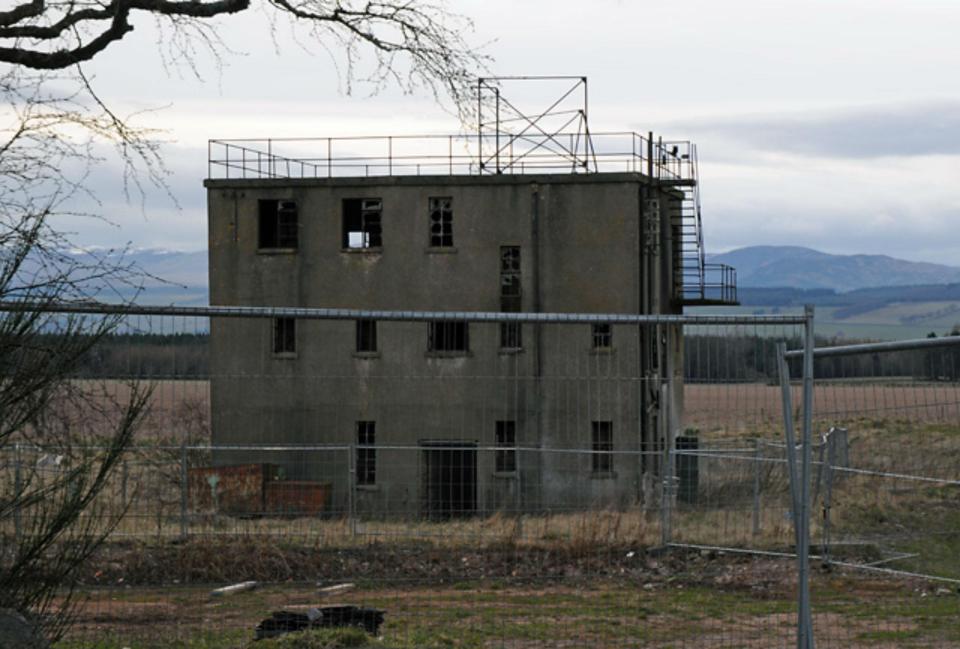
pixel 510 335
pixel 284 335
pixel 277 224
pixel 602 445
pixel 510 284
pixel 366 457
pixel 447 336
pixel 366 335
pixel 361 223
pixel 506 445
pixel 602 335
pixel 441 221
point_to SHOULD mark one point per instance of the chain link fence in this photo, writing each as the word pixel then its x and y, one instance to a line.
pixel 502 480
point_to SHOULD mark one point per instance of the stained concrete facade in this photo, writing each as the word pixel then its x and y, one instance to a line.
pixel 597 243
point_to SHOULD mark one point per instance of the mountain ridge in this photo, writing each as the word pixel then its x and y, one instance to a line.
pixel 805 268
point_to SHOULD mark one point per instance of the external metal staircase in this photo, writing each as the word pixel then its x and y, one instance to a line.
pixel 697 282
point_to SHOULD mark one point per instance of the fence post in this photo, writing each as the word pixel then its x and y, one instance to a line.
pixel 828 494
pixel 666 492
pixel 183 491
pixel 351 489
pixel 791 450
pixel 17 487
pixel 758 456
pixel 806 617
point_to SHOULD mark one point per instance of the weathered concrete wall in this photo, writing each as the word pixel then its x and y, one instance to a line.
pixel 582 250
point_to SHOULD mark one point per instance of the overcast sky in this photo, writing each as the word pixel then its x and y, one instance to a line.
pixel 831 124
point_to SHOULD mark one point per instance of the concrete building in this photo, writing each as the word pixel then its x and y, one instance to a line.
pixel 464 396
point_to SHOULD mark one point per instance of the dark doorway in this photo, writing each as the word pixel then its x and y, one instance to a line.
pixel 449 479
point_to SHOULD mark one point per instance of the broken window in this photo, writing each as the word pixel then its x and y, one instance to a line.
pixel 366 454
pixel 447 336
pixel 441 221
pixel 277 224
pixel 366 335
pixel 510 286
pixel 284 336
pixel 602 335
pixel 602 446
pixel 506 445
pixel 361 223
pixel 510 336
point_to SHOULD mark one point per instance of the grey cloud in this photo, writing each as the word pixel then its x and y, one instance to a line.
pixel 901 130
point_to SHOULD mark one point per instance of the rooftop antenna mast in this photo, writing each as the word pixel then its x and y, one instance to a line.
pixel 511 139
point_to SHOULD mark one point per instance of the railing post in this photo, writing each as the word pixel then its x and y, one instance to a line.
pixel 329 158
pixel 269 158
pixel 650 154
pixel 183 491
pixel 449 154
pixel 389 155
pixel 17 488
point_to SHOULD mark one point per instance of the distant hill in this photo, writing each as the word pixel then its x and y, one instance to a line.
pixel 804 268
pixel 165 276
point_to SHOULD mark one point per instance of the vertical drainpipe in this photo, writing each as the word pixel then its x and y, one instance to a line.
pixel 642 346
pixel 537 330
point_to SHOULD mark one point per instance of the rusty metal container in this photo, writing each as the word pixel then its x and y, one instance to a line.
pixel 237 490
pixel 297 497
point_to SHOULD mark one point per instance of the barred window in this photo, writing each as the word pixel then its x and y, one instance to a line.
pixel 448 336
pixel 602 336
pixel 510 335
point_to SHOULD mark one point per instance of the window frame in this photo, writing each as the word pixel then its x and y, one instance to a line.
pixel 511 283
pixel 441 216
pixel 505 443
pixel 363 216
pixel 601 445
pixel 511 336
pixel 448 332
pixel 284 337
pixel 601 336
pixel 365 340
pixel 278 225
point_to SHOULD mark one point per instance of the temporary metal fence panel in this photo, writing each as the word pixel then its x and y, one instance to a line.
pixel 504 481
pixel 884 488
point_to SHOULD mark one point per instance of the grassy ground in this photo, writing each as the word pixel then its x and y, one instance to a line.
pixel 751 606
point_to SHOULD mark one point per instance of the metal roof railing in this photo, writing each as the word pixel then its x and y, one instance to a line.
pixel 415 155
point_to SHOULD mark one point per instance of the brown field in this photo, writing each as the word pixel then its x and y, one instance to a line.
pixel 181 408
pixel 751 408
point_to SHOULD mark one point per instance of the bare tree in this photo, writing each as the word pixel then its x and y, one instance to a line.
pixel 53 128
pixel 413 43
